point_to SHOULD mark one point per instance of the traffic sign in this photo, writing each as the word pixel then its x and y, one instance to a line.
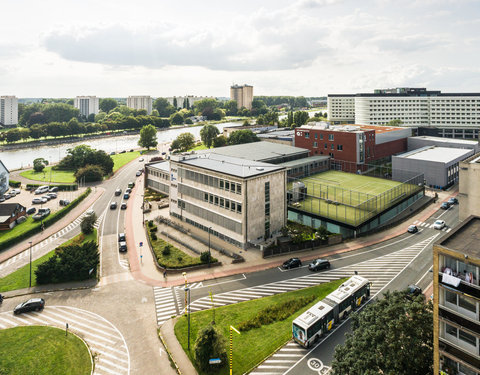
pixel 141 243
pixel 214 361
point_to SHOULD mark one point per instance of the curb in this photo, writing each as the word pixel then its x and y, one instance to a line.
pixel 168 351
pixel 46 291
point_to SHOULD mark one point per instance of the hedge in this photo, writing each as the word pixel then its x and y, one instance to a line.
pixel 61 187
pixel 51 219
pixel 14 184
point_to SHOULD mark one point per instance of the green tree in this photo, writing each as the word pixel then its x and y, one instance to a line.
pixel 107 104
pixel 210 343
pixel 260 120
pixel 74 127
pixel 39 164
pixel 271 117
pixel 27 111
pixel 89 173
pixel 37 118
pixel 231 107
pixel 183 142
pixel 38 131
pixel 155 113
pixel 148 137
pixel 242 136
pixel 88 223
pixel 290 119
pixel 203 104
pixel 396 122
pixel 175 104
pixel 164 108
pixel 392 336
pixel 208 133
pixel 176 119
pixel 300 118
pixel 13 135
pixel 220 141
pixel 60 112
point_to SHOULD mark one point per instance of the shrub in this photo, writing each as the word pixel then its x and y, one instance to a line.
pixel 210 344
pixel 153 236
pixel 14 184
pixel 179 258
pixel 205 257
pixel 89 173
pixel 152 230
pixel 150 223
pixel 167 250
pixel 87 224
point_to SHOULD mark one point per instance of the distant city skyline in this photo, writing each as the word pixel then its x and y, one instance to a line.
pixel 304 47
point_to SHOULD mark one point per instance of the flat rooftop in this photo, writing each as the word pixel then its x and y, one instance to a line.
pixel 350 128
pixel 258 151
pixel 447 140
pixel 228 165
pixel 278 134
pixel 465 238
pixel 162 165
pixel 304 161
pixel 438 154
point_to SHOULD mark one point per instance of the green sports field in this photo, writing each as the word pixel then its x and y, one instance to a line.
pixel 348 197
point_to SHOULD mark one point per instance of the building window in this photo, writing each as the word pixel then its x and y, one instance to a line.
pixel 267 191
pixel 321 136
pixel 451 330
pixel 332 147
pixel 216 201
pixel 233 206
pixel 227 185
pixel 339 147
pixel 222 202
pixel 221 184
pixel 267 209
pixel 330 137
pixel 466 337
pixel 307 135
pixel 239 208
pixel 315 144
pixel 210 198
pixel 227 204
pixel 316 136
pixel 239 188
pixel 205 197
pixel 326 146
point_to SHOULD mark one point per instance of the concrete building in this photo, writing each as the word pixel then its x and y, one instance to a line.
pixel 415 107
pixel 422 141
pixel 140 102
pixel 87 105
pixel 228 130
pixel 352 146
pixel 8 110
pixel 4 178
pixel 236 200
pixel 284 137
pixel 243 95
pixel 157 176
pixel 186 101
pixel 438 164
pixel 456 300
pixel 468 189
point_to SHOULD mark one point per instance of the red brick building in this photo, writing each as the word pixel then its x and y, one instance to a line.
pixel 354 145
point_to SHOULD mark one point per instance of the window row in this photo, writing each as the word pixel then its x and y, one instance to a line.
pixel 210 198
pixel 210 181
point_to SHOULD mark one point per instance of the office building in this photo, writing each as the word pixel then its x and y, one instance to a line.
pixel 243 95
pixel 422 141
pixel 456 300
pixel 157 176
pixel 236 200
pixel 440 165
pixel 8 110
pixel 86 105
pixel 415 107
pixel 140 102
pixel 468 187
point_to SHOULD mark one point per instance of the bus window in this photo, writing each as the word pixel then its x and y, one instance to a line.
pixel 299 333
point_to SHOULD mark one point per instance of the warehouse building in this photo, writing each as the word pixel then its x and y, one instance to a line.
pixel 422 141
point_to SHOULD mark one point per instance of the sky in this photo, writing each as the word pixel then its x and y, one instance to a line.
pixel 116 48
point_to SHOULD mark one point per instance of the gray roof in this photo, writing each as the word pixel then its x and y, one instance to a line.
pixel 438 154
pixel 1 162
pixel 304 161
pixel 259 151
pixel 284 134
pixel 447 140
pixel 162 165
pixel 229 165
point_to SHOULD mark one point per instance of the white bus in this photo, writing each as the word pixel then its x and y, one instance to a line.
pixel 320 318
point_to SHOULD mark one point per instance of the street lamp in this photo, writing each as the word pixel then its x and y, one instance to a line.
pixel 187 307
pixel 30 283
pixel 209 254
pixel 232 328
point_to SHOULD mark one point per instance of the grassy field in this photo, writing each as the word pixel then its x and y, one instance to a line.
pixel 18 230
pixel 42 351
pixel 20 278
pixel 58 177
pixel 119 160
pixel 251 347
pixel 200 146
pixel 337 195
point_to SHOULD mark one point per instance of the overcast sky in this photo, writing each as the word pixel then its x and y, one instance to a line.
pixel 115 48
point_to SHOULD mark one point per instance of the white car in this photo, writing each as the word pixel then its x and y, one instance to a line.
pixel 140 160
pixel 41 190
pixel 439 224
pixel 89 213
pixel 39 200
pixel 51 195
pixel 15 191
pixel 139 173
pixel 12 193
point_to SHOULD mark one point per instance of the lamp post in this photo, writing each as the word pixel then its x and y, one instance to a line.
pixel 209 254
pixel 187 307
pixel 143 209
pixel 30 283
pixel 231 347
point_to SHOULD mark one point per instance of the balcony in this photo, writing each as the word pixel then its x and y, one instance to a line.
pixel 457 283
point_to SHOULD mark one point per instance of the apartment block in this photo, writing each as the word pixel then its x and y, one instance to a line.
pixel 456 300
pixel 8 110
pixel 186 101
pixel 243 95
pixel 157 176
pixel 140 102
pixel 468 189
pixel 236 200
pixel 87 105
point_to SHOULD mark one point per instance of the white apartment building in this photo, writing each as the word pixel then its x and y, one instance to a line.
pixel 236 200
pixel 8 110
pixel 190 99
pixel 415 107
pixel 243 95
pixel 87 105
pixel 140 102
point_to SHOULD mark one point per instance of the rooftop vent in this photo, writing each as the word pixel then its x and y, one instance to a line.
pixel 259 168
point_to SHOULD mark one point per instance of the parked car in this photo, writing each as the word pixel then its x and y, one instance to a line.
pixel 319 264
pixel 139 173
pixel 21 219
pixel 89 212
pixel 31 210
pixel 445 205
pixel 7 196
pixel 34 304
pixel 47 197
pixel 41 214
pixel 16 191
pixel 126 196
pixel 164 153
pixel 53 189
pixel 113 205
pixel 123 206
pixel 412 229
pixel 118 191
pixel 37 201
pixel 121 237
pixel 291 263
pixel 140 160
pixel 452 201
pixel 64 202
pixel 112 153
pixel 413 290
pixel 122 247
pixel 128 190
pixel 12 193
pixel 439 224
pixel 52 195
pixel 131 184
pixel 41 190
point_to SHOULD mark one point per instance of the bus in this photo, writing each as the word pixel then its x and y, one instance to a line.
pixel 320 318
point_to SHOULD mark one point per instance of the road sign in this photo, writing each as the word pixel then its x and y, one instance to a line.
pixel 141 243
pixel 214 361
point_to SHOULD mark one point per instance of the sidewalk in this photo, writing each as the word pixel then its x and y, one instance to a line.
pixel 174 348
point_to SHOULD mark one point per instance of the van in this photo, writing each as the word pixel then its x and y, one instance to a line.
pixel 41 190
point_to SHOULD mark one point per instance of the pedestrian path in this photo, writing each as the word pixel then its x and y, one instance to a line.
pixel 106 343
pixel 165 303
pixel 423 224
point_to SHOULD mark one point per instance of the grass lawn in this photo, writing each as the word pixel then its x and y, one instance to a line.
pixel 18 230
pixel 59 177
pixel 200 146
pixel 20 278
pixel 252 346
pixel 119 160
pixel 337 195
pixel 42 350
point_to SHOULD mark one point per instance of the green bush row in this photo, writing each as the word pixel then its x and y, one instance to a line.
pixel 14 184
pixel 61 187
pixel 275 313
pixel 51 219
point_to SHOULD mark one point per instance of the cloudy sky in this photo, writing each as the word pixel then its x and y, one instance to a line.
pixel 64 48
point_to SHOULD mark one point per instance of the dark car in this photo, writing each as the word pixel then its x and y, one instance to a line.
pixel 34 304
pixel 113 205
pixel 452 201
pixel 123 206
pixel 31 210
pixel 126 196
pixel 128 190
pixel 53 189
pixel 121 237
pixel 292 263
pixel 319 264
pixel 413 290
pixel 445 205
pixel 412 229
pixel 64 202
pixel 118 191
pixel 122 247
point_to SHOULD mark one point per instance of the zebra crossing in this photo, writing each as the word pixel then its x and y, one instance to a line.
pixel 165 303
pixel 423 224
pixel 107 345
pixel 124 263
